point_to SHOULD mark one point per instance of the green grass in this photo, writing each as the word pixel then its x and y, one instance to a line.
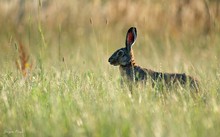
pixel 72 90
pixel 94 104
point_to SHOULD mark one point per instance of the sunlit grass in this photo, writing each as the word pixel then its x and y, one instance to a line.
pixel 94 104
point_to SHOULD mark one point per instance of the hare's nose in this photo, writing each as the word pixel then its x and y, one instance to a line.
pixel 110 60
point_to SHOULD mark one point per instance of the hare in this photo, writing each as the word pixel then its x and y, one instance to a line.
pixel 131 72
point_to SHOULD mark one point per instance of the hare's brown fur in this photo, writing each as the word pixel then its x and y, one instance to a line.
pixel 133 73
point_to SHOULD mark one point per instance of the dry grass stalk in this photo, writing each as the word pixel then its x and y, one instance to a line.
pixel 22 63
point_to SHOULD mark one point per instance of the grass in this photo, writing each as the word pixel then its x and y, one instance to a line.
pixel 92 104
pixel 71 90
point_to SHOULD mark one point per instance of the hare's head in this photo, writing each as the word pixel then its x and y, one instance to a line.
pixel 123 56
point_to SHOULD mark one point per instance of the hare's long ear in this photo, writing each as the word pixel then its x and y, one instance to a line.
pixel 130 38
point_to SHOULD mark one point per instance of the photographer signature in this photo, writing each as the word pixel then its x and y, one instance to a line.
pixel 14 131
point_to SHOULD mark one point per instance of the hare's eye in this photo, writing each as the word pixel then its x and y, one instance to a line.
pixel 120 53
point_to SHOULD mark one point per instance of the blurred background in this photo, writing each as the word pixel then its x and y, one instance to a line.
pixel 173 35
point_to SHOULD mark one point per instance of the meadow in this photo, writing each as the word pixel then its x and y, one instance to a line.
pixel 55 79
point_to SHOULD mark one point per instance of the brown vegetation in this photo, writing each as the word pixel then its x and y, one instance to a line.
pixel 22 63
pixel 188 16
